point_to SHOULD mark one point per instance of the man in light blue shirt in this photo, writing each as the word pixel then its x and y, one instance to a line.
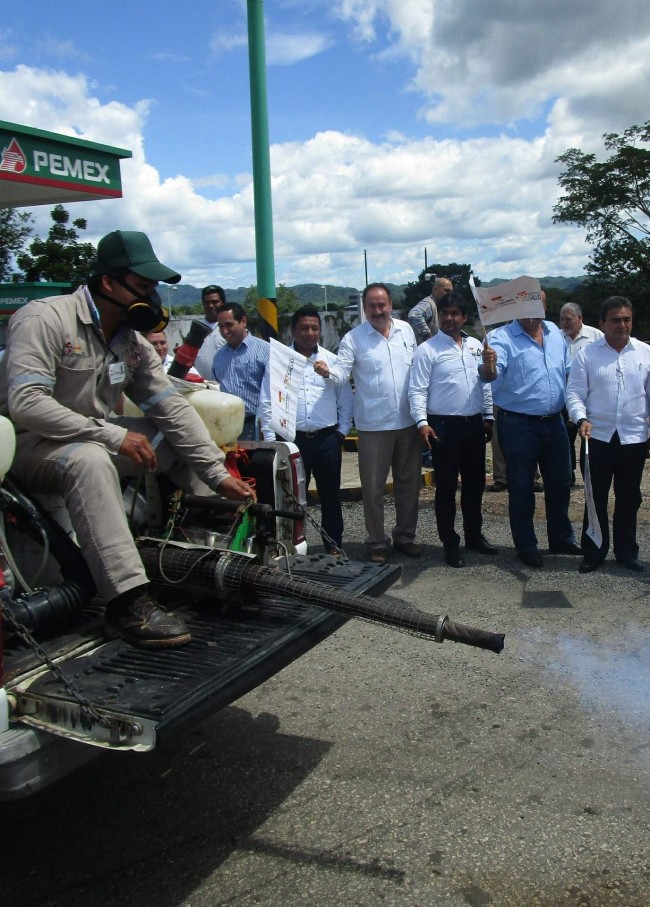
pixel 452 409
pixel 240 363
pixel 378 354
pixel 528 366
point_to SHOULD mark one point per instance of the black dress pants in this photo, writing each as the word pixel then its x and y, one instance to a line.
pixel 460 450
pixel 622 463
pixel 321 457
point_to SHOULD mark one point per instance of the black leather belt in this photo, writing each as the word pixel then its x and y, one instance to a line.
pixel 460 418
pixel 508 412
pixel 317 431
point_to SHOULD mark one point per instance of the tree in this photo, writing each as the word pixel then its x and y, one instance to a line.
pixel 612 200
pixel 287 300
pixel 15 228
pixel 459 275
pixel 60 258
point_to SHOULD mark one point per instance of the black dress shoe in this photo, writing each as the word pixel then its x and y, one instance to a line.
pixel 532 558
pixel 631 563
pixel 588 566
pixel 566 548
pixel 454 558
pixel 481 545
pixel 497 486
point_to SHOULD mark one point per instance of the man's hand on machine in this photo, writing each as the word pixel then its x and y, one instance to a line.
pixel 138 448
pixel 236 490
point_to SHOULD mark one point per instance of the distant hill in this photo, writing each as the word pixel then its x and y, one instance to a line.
pixel 314 294
pixel 562 283
pixel 308 294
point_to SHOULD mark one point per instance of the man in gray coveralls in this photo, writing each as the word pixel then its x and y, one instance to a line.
pixel 68 361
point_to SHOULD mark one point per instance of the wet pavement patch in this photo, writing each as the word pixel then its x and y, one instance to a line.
pixel 545 600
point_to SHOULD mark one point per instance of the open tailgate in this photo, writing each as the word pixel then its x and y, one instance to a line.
pixel 141 696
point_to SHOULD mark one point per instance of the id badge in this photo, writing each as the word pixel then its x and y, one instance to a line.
pixel 116 373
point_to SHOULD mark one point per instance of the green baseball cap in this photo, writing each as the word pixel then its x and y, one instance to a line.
pixel 130 250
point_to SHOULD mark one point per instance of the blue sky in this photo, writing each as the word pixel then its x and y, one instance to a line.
pixel 394 126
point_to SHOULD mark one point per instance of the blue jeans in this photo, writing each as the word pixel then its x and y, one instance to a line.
pixel 527 441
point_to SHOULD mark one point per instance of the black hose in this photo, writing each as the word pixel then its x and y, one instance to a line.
pixel 38 609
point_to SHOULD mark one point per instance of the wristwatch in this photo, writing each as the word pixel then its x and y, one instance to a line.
pixel 580 421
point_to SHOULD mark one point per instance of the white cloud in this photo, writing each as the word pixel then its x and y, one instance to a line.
pixel 223 41
pixel 281 48
pixel 286 49
pixel 487 201
pixel 59 49
pixel 8 49
pixel 510 60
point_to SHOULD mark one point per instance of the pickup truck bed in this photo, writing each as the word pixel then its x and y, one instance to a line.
pixel 148 695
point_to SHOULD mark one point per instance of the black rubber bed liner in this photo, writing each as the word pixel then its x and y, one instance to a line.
pixel 233 650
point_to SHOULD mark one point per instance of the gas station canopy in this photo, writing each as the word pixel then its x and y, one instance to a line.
pixel 45 168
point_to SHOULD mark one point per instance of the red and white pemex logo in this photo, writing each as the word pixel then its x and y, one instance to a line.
pixel 13 158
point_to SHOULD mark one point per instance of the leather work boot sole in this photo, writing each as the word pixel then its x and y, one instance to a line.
pixel 137 618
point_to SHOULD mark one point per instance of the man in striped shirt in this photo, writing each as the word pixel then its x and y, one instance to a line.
pixel 240 364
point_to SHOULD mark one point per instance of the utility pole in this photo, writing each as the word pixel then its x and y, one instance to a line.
pixel 267 305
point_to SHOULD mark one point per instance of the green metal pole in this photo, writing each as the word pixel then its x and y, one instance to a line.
pixel 266 303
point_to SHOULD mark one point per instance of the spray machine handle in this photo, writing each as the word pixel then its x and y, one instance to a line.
pixel 221 505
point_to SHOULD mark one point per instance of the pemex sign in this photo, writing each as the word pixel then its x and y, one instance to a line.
pixel 38 167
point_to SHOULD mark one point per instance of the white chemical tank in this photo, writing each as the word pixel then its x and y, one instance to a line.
pixel 7 446
pixel 223 414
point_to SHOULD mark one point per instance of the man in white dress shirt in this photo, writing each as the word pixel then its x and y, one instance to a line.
pixel 577 335
pixel 158 340
pixel 323 419
pixel 452 409
pixel 212 298
pixel 378 354
pixel 608 397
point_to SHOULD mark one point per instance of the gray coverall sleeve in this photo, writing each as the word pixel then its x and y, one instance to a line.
pixel 32 363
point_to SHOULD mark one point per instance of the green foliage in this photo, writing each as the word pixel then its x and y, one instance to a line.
pixel 555 299
pixel 15 228
pixel 459 275
pixel 287 300
pixel 61 257
pixel 612 200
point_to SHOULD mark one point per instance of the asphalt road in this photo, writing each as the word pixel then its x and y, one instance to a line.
pixel 385 769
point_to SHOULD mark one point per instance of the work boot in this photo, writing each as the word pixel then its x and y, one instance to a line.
pixel 137 618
